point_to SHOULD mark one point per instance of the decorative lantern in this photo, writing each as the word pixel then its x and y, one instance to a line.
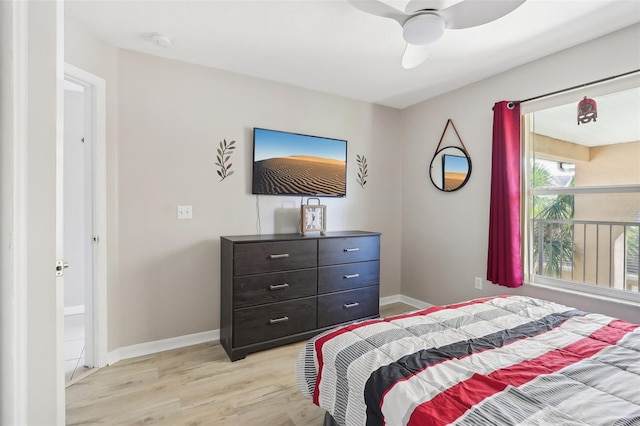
pixel 587 110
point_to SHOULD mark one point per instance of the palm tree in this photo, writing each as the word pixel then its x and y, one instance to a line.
pixel 557 238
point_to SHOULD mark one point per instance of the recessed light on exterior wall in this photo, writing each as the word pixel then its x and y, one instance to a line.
pixel 161 40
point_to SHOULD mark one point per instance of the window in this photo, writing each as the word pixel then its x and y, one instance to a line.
pixel 582 186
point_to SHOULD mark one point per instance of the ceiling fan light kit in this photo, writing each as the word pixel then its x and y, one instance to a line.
pixel 423 29
pixel 424 21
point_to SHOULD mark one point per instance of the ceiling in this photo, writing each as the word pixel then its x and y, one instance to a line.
pixel 618 121
pixel 331 47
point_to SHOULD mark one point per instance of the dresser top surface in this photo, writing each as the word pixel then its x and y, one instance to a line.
pixel 296 237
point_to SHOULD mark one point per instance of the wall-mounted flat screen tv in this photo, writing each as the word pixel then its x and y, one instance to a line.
pixel 293 164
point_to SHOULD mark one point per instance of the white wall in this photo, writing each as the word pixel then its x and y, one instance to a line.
pixel 444 235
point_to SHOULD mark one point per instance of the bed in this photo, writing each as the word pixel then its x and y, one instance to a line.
pixel 506 360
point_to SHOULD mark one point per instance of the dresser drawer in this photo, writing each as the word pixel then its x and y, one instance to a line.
pixel 345 250
pixel 251 290
pixel 348 276
pixel 262 323
pixel 336 308
pixel 256 258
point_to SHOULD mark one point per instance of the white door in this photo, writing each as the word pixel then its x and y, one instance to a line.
pixel 78 228
pixel 85 212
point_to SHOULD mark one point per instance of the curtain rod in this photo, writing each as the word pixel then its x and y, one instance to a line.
pixel 511 104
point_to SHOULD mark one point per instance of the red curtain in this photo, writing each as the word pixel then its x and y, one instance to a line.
pixel 504 262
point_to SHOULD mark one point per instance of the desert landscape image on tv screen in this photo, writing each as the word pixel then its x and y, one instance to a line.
pixel 293 164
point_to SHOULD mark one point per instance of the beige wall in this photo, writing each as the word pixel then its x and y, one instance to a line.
pixel 169 118
pixel 556 149
pixel 172 117
pixel 617 164
pixel 444 235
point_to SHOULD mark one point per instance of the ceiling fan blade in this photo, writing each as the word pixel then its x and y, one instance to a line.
pixel 375 7
pixel 414 55
pixel 417 5
pixel 471 13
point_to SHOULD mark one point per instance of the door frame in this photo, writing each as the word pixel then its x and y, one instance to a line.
pixel 96 110
pixel 14 348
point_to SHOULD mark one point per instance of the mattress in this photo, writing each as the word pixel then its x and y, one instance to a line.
pixel 506 360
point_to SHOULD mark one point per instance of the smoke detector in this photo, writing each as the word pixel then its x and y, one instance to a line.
pixel 161 40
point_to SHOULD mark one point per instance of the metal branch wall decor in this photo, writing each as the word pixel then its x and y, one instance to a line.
pixel 224 155
pixel 363 170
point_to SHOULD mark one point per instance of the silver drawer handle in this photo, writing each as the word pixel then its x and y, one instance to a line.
pixel 278 256
pixel 350 305
pixel 349 250
pixel 278 320
pixel 351 276
pixel 278 286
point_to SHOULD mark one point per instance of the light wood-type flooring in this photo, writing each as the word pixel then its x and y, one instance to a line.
pixel 198 385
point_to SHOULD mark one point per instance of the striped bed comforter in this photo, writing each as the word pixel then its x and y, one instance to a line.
pixel 508 360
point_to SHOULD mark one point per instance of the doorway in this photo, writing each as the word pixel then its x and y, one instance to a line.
pixel 84 217
pixel 78 231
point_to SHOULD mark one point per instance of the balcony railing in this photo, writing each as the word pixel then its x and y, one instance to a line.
pixel 605 254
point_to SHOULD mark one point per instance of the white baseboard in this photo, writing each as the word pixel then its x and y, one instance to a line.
pixel 156 346
pixel 401 298
pixel 73 310
pixel 390 299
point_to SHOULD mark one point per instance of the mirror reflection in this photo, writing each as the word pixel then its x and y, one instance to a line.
pixel 450 168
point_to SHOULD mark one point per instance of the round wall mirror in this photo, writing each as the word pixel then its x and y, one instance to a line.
pixel 450 168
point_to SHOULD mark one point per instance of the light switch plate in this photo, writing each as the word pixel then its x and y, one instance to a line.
pixel 185 212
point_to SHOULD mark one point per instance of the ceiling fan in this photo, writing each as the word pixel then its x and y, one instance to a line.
pixel 424 21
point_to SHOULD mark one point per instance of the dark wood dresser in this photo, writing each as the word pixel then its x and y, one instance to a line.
pixel 281 288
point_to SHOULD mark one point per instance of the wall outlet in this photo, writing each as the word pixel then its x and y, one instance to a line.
pixel 185 212
pixel 479 283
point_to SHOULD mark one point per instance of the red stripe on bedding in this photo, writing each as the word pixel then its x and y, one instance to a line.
pixel 623 325
pixel 614 332
pixel 455 401
pixel 318 349
pixel 341 330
